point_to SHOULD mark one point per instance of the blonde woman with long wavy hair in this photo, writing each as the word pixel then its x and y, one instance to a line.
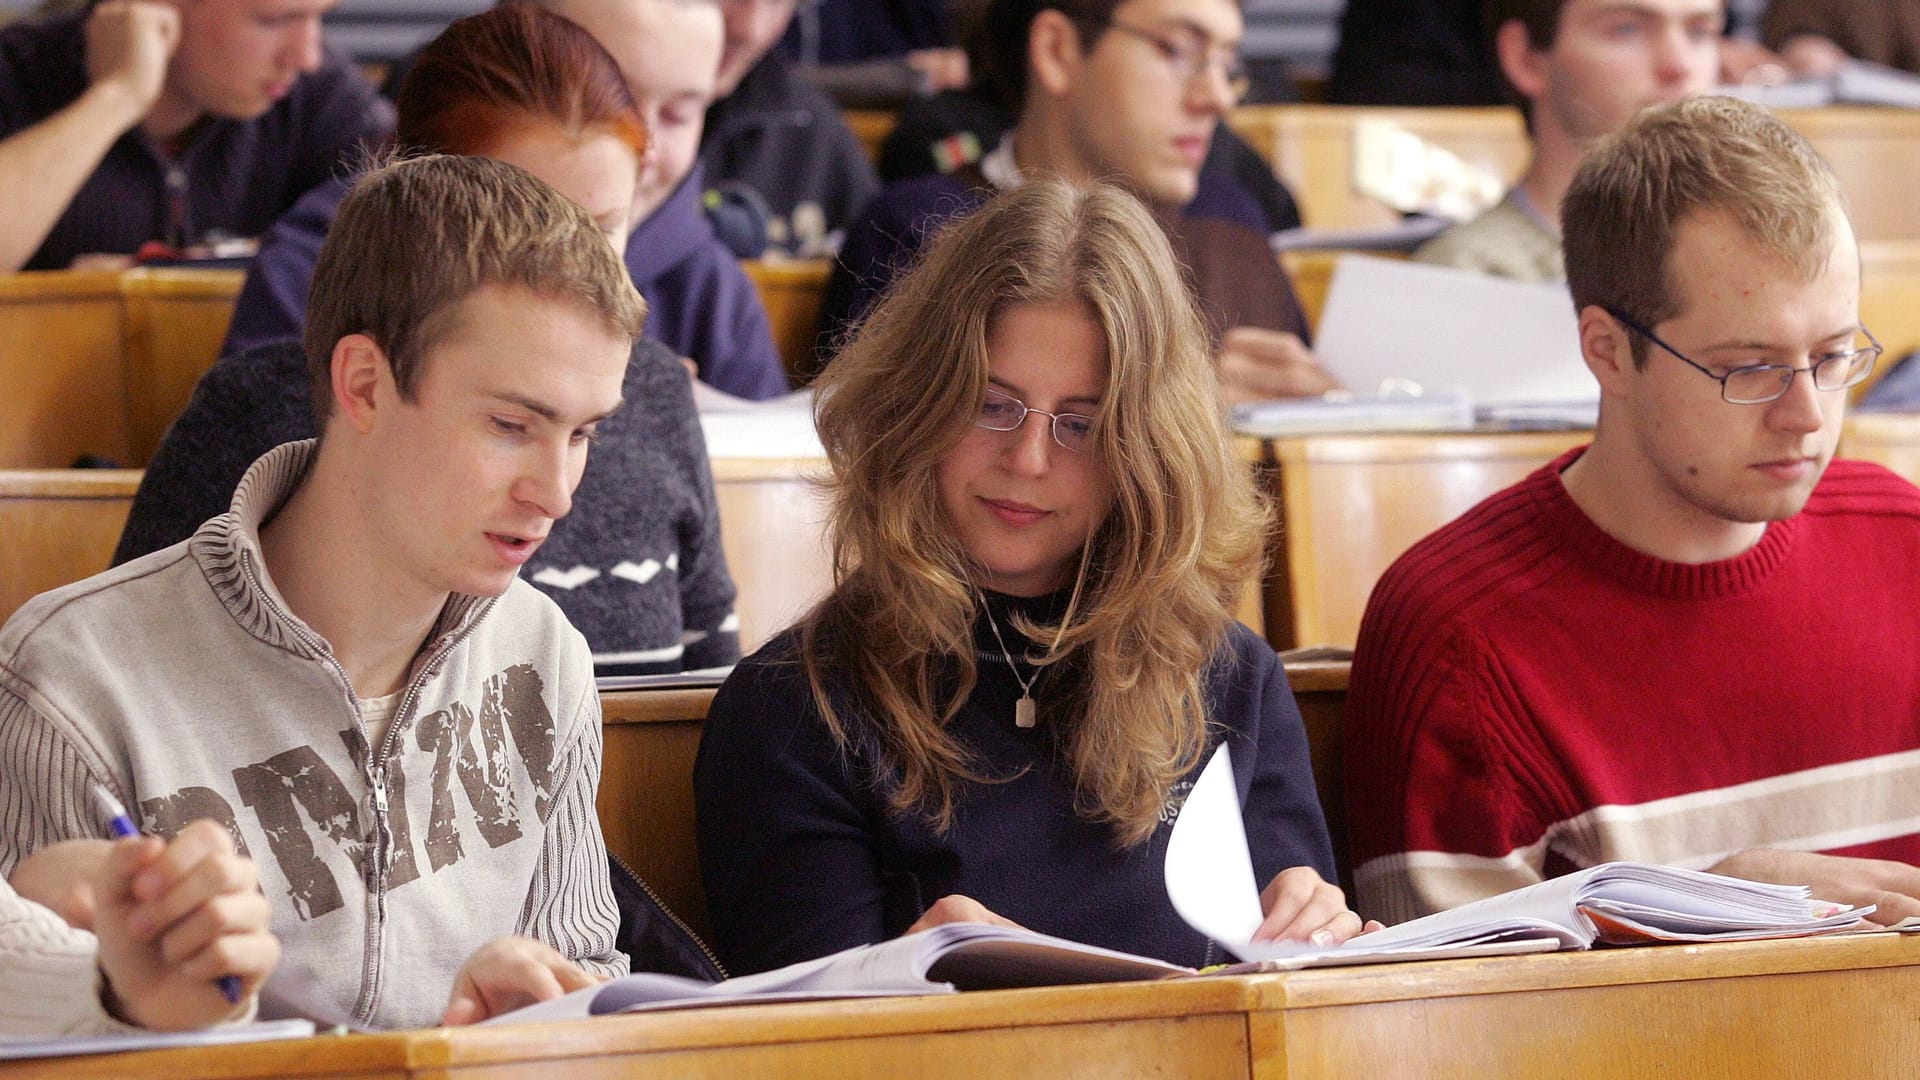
pixel 1039 532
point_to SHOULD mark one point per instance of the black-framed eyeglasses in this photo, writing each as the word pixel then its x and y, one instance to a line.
pixel 1004 412
pixel 1757 384
pixel 1192 57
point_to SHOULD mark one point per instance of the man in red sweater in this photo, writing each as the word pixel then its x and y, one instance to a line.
pixel 1692 642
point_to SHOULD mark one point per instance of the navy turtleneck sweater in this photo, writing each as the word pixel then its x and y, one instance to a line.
pixel 802 856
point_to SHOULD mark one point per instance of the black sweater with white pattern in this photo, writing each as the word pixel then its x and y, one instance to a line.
pixel 636 566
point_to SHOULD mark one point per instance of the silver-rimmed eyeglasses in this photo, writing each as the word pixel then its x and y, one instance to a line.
pixel 1004 412
pixel 1757 384
pixel 1192 56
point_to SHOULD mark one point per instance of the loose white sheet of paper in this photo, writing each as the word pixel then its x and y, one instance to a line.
pixel 1500 341
pixel 1209 871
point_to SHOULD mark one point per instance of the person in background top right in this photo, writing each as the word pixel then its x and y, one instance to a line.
pixel 1579 69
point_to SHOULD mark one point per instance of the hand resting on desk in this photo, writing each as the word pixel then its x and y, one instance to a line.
pixel 1894 887
pixel 1260 365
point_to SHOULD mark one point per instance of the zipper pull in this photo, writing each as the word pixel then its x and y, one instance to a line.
pixel 380 792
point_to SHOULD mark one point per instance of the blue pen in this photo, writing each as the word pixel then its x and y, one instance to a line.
pixel 122 826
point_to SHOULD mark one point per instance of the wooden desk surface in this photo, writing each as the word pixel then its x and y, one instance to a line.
pixel 1831 1007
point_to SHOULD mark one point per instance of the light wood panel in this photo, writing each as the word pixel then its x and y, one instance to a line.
pixel 1729 1010
pixel 1351 504
pixel 1890 299
pixel 1876 154
pixel 60 361
pixel 772 527
pixel 1889 439
pixel 100 362
pixel 1873 151
pixel 176 320
pixel 1311 148
pixel 645 799
pixel 792 291
pixel 1838 1007
pixel 58 526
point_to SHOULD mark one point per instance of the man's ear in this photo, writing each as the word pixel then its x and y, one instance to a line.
pixel 1523 65
pixel 1607 347
pixel 359 369
pixel 1054 53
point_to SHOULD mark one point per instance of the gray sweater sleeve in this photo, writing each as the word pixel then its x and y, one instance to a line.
pixel 44 781
pixel 570 903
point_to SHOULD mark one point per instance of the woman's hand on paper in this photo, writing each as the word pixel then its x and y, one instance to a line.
pixel 1301 906
pixel 508 973
pixel 1893 887
pixel 957 908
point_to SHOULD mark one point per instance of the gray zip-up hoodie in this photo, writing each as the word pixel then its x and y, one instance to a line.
pixel 180 683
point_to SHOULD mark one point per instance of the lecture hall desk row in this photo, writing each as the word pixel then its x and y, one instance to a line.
pixel 1841 1007
pixel 100 362
pixel 1311 148
pixel 1349 505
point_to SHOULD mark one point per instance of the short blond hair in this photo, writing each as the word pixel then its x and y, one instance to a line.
pixel 416 236
pixel 1704 153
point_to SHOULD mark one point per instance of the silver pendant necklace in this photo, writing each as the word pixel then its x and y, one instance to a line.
pixel 1023 709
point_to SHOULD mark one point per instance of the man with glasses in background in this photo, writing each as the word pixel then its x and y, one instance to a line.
pixel 1693 641
pixel 1129 92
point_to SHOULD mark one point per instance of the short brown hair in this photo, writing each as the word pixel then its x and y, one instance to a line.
pixel 1704 153
pixel 415 236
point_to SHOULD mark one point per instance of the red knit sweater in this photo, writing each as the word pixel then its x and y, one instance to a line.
pixel 1531 696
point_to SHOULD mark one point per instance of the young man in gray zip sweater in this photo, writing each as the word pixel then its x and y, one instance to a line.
pixel 344 669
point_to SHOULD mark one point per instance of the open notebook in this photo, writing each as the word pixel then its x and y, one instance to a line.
pixel 1211 883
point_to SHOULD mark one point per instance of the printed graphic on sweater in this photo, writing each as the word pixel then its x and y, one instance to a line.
pixel 301 804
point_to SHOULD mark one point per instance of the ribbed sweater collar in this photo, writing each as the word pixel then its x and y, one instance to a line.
pixel 228 551
pixel 1637 570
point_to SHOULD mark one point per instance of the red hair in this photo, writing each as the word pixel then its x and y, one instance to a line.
pixel 489 75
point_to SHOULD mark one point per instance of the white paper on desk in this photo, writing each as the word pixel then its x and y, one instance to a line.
pixel 13 1048
pixel 1210 881
pixel 695 679
pixel 1209 871
pixel 779 428
pixel 1498 340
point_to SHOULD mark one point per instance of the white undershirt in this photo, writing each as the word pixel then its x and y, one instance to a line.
pixel 377 715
